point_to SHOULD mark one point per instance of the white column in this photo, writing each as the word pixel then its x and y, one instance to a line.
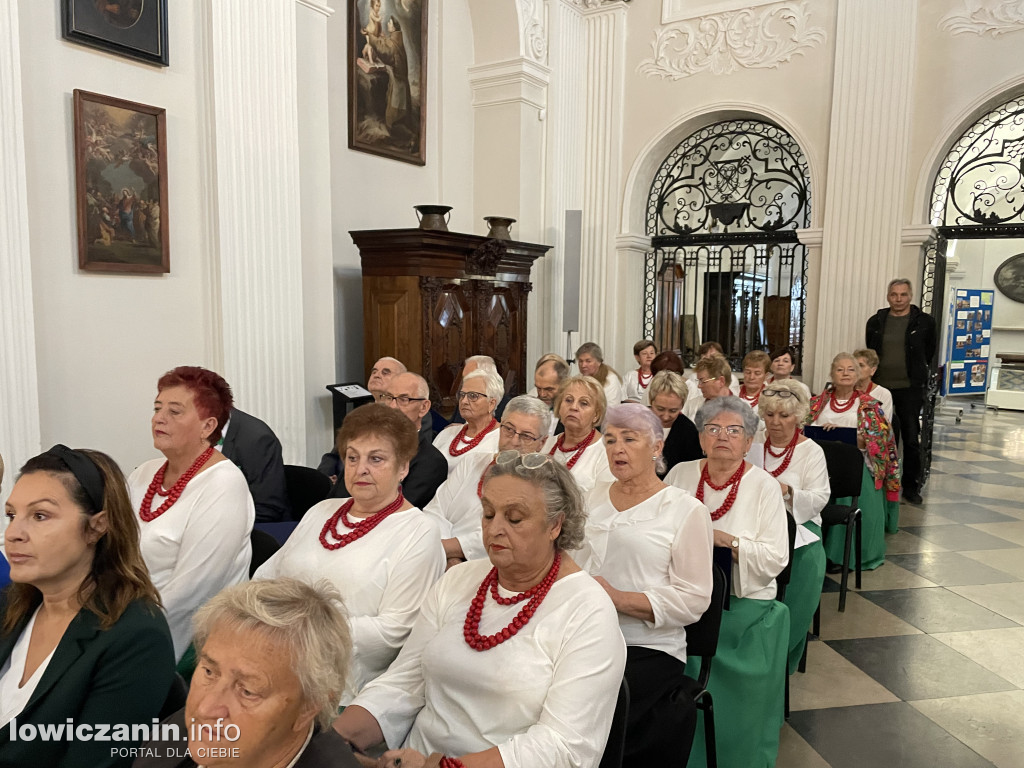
pixel 563 172
pixel 628 294
pixel 868 148
pixel 258 198
pixel 19 393
pixel 604 85
pixel 317 258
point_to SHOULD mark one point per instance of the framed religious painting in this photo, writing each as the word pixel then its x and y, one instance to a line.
pixel 120 185
pixel 387 78
pixel 133 28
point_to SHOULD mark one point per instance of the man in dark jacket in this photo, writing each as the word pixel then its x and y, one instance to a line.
pixel 254 447
pixel 904 338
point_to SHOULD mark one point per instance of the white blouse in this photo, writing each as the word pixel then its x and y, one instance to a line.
pixel 660 547
pixel 807 478
pixel 614 392
pixel 545 697
pixel 487 446
pixel 382 577
pixel 457 508
pixel 884 396
pixel 847 418
pixel 592 467
pixel 757 519
pixel 635 390
pixel 198 546
pixel 12 698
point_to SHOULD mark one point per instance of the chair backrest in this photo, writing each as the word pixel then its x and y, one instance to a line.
pixel 305 487
pixel 782 580
pixel 702 635
pixel 263 547
pixel 845 468
pixel 616 746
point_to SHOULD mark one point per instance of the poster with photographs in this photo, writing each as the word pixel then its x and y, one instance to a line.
pixel 970 332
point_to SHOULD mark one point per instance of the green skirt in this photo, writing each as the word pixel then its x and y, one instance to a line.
pixel 747 685
pixel 876 518
pixel 804 593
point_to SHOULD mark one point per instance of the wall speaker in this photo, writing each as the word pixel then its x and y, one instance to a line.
pixel 571 271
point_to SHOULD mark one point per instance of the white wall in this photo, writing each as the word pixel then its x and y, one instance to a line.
pixel 103 340
pixel 978 262
pixel 371 192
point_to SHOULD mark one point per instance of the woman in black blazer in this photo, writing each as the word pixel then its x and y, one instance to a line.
pixel 82 636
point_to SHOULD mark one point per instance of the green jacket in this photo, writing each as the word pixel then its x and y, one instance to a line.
pixel 119 675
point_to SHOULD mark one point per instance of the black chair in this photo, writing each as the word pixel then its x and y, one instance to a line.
pixel 702 640
pixel 175 697
pixel 781 583
pixel 263 547
pixel 616 746
pixel 845 470
pixel 305 487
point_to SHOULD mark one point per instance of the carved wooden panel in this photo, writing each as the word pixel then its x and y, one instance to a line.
pixel 389 306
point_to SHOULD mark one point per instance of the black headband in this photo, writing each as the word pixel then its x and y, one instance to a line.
pixel 85 471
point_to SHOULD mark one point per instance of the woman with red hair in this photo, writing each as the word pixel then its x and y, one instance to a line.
pixel 194 506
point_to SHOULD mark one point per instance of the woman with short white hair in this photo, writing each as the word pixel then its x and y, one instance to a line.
pixel 457 504
pixel 668 393
pixel 649 545
pixel 479 395
pixel 798 464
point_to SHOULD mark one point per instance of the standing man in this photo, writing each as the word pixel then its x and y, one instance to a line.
pixel 903 337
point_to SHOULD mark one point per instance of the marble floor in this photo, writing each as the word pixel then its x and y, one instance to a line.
pixel 925 669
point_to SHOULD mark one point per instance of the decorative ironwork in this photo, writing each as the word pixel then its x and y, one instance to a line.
pixel 981 181
pixel 726 264
pixel 733 176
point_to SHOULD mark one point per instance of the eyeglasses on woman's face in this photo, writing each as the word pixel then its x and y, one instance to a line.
pixel 510 433
pixel 473 397
pixel 783 393
pixel 733 431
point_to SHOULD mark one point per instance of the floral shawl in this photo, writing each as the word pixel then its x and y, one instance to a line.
pixel 880 452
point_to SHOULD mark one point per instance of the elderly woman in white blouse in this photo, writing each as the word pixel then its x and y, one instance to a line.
pixel 195 510
pixel 457 504
pixel 480 393
pixel 382 553
pixel 798 465
pixel 590 361
pixel 580 406
pixel 749 518
pixel 514 661
pixel 649 545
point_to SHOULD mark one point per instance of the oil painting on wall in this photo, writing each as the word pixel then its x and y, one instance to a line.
pixel 387 78
pixel 121 185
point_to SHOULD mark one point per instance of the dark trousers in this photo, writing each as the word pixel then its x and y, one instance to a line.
pixel 660 727
pixel 906 405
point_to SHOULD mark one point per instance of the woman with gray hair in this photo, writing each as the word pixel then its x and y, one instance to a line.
pixel 649 545
pixel 272 657
pixel 516 661
pixel 478 396
pixel 456 505
pixel 798 465
pixel 749 518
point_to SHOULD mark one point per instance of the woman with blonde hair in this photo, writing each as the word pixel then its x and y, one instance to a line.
pixel 590 361
pixel 580 406
pixel 668 394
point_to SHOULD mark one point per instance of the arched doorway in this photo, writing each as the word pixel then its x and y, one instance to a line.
pixel 726 264
pixel 977 209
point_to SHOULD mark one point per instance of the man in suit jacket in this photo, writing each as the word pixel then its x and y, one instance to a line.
pixel 410 394
pixel 288 642
pixel 254 447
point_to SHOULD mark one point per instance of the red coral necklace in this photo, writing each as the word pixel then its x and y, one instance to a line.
pixel 480 485
pixel 834 404
pixel 456 448
pixel 581 446
pixel 643 379
pixel 359 529
pixel 733 484
pixel 752 400
pixel 786 452
pixel 535 595
pixel 146 511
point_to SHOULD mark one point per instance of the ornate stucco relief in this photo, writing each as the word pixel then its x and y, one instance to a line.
pixel 979 17
pixel 533 29
pixel 720 43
